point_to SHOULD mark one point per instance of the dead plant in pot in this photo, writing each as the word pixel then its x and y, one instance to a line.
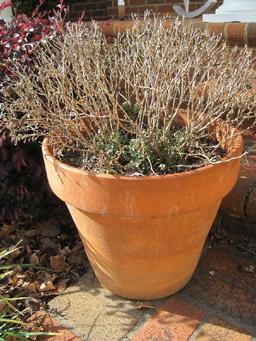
pixel 141 161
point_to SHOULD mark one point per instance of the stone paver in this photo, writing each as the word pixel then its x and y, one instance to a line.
pixel 95 314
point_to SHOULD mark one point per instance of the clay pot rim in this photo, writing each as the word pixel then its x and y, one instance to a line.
pixel 234 153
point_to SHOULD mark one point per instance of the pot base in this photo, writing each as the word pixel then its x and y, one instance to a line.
pixel 154 295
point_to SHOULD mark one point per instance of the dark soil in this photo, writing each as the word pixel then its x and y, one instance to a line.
pixel 130 165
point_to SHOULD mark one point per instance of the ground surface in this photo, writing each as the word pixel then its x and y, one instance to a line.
pixel 219 303
pixel 49 257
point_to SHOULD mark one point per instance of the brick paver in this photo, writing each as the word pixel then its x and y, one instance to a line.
pixel 241 202
pixel 228 267
pixel 176 321
pixel 49 324
pixel 223 296
pixel 222 286
pixel 235 203
pixel 251 204
pixel 215 329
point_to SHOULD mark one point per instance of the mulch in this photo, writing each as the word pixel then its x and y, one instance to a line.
pixel 49 257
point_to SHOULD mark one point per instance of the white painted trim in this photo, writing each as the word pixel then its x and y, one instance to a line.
pixel 6 14
pixel 233 10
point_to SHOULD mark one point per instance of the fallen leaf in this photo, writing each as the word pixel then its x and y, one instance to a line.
pixel 61 286
pixel 49 246
pixel 247 268
pixel 48 286
pixel 50 228
pixel 5 231
pixel 34 259
pixel 32 233
pixel 58 263
pixel 145 305
pixel 31 287
pixel 65 251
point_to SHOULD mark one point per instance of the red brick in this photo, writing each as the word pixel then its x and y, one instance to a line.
pixel 251 34
pixel 251 205
pixel 227 267
pixel 50 325
pixel 222 296
pixel 234 203
pixel 215 329
pixel 216 28
pixel 155 2
pixel 136 2
pixel 164 9
pixel 142 10
pixel 236 33
pixel 176 321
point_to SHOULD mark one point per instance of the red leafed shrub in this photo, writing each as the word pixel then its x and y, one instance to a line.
pixel 22 37
pixel 24 190
pixel 23 184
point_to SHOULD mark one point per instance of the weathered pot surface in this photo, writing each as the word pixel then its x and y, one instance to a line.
pixel 143 235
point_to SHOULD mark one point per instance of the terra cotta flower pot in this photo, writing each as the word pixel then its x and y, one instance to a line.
pixel 143 235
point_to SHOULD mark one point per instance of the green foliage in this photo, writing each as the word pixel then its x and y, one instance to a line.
pixel 120 152
pixel 12 311
pixel 161 153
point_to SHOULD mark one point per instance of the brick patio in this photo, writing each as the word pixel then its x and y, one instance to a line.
pixel 219 303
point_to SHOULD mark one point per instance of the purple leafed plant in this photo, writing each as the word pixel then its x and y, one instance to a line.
pixel 22 180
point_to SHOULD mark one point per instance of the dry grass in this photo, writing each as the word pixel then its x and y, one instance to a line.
pixel 116 109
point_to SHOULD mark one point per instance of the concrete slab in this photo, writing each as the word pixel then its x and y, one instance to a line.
pixel 93 313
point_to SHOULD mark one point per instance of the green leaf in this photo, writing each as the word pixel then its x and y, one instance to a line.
pixel 5 274
pixel 4 320
pixel 6 301
pixel 24 266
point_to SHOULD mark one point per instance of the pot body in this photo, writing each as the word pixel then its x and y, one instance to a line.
pixel 143 235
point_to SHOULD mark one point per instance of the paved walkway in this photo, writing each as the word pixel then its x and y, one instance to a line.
pixel 218 304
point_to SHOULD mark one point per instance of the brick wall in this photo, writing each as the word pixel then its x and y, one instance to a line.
pixel 93 9
pixel 105 9
pixel 158 6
